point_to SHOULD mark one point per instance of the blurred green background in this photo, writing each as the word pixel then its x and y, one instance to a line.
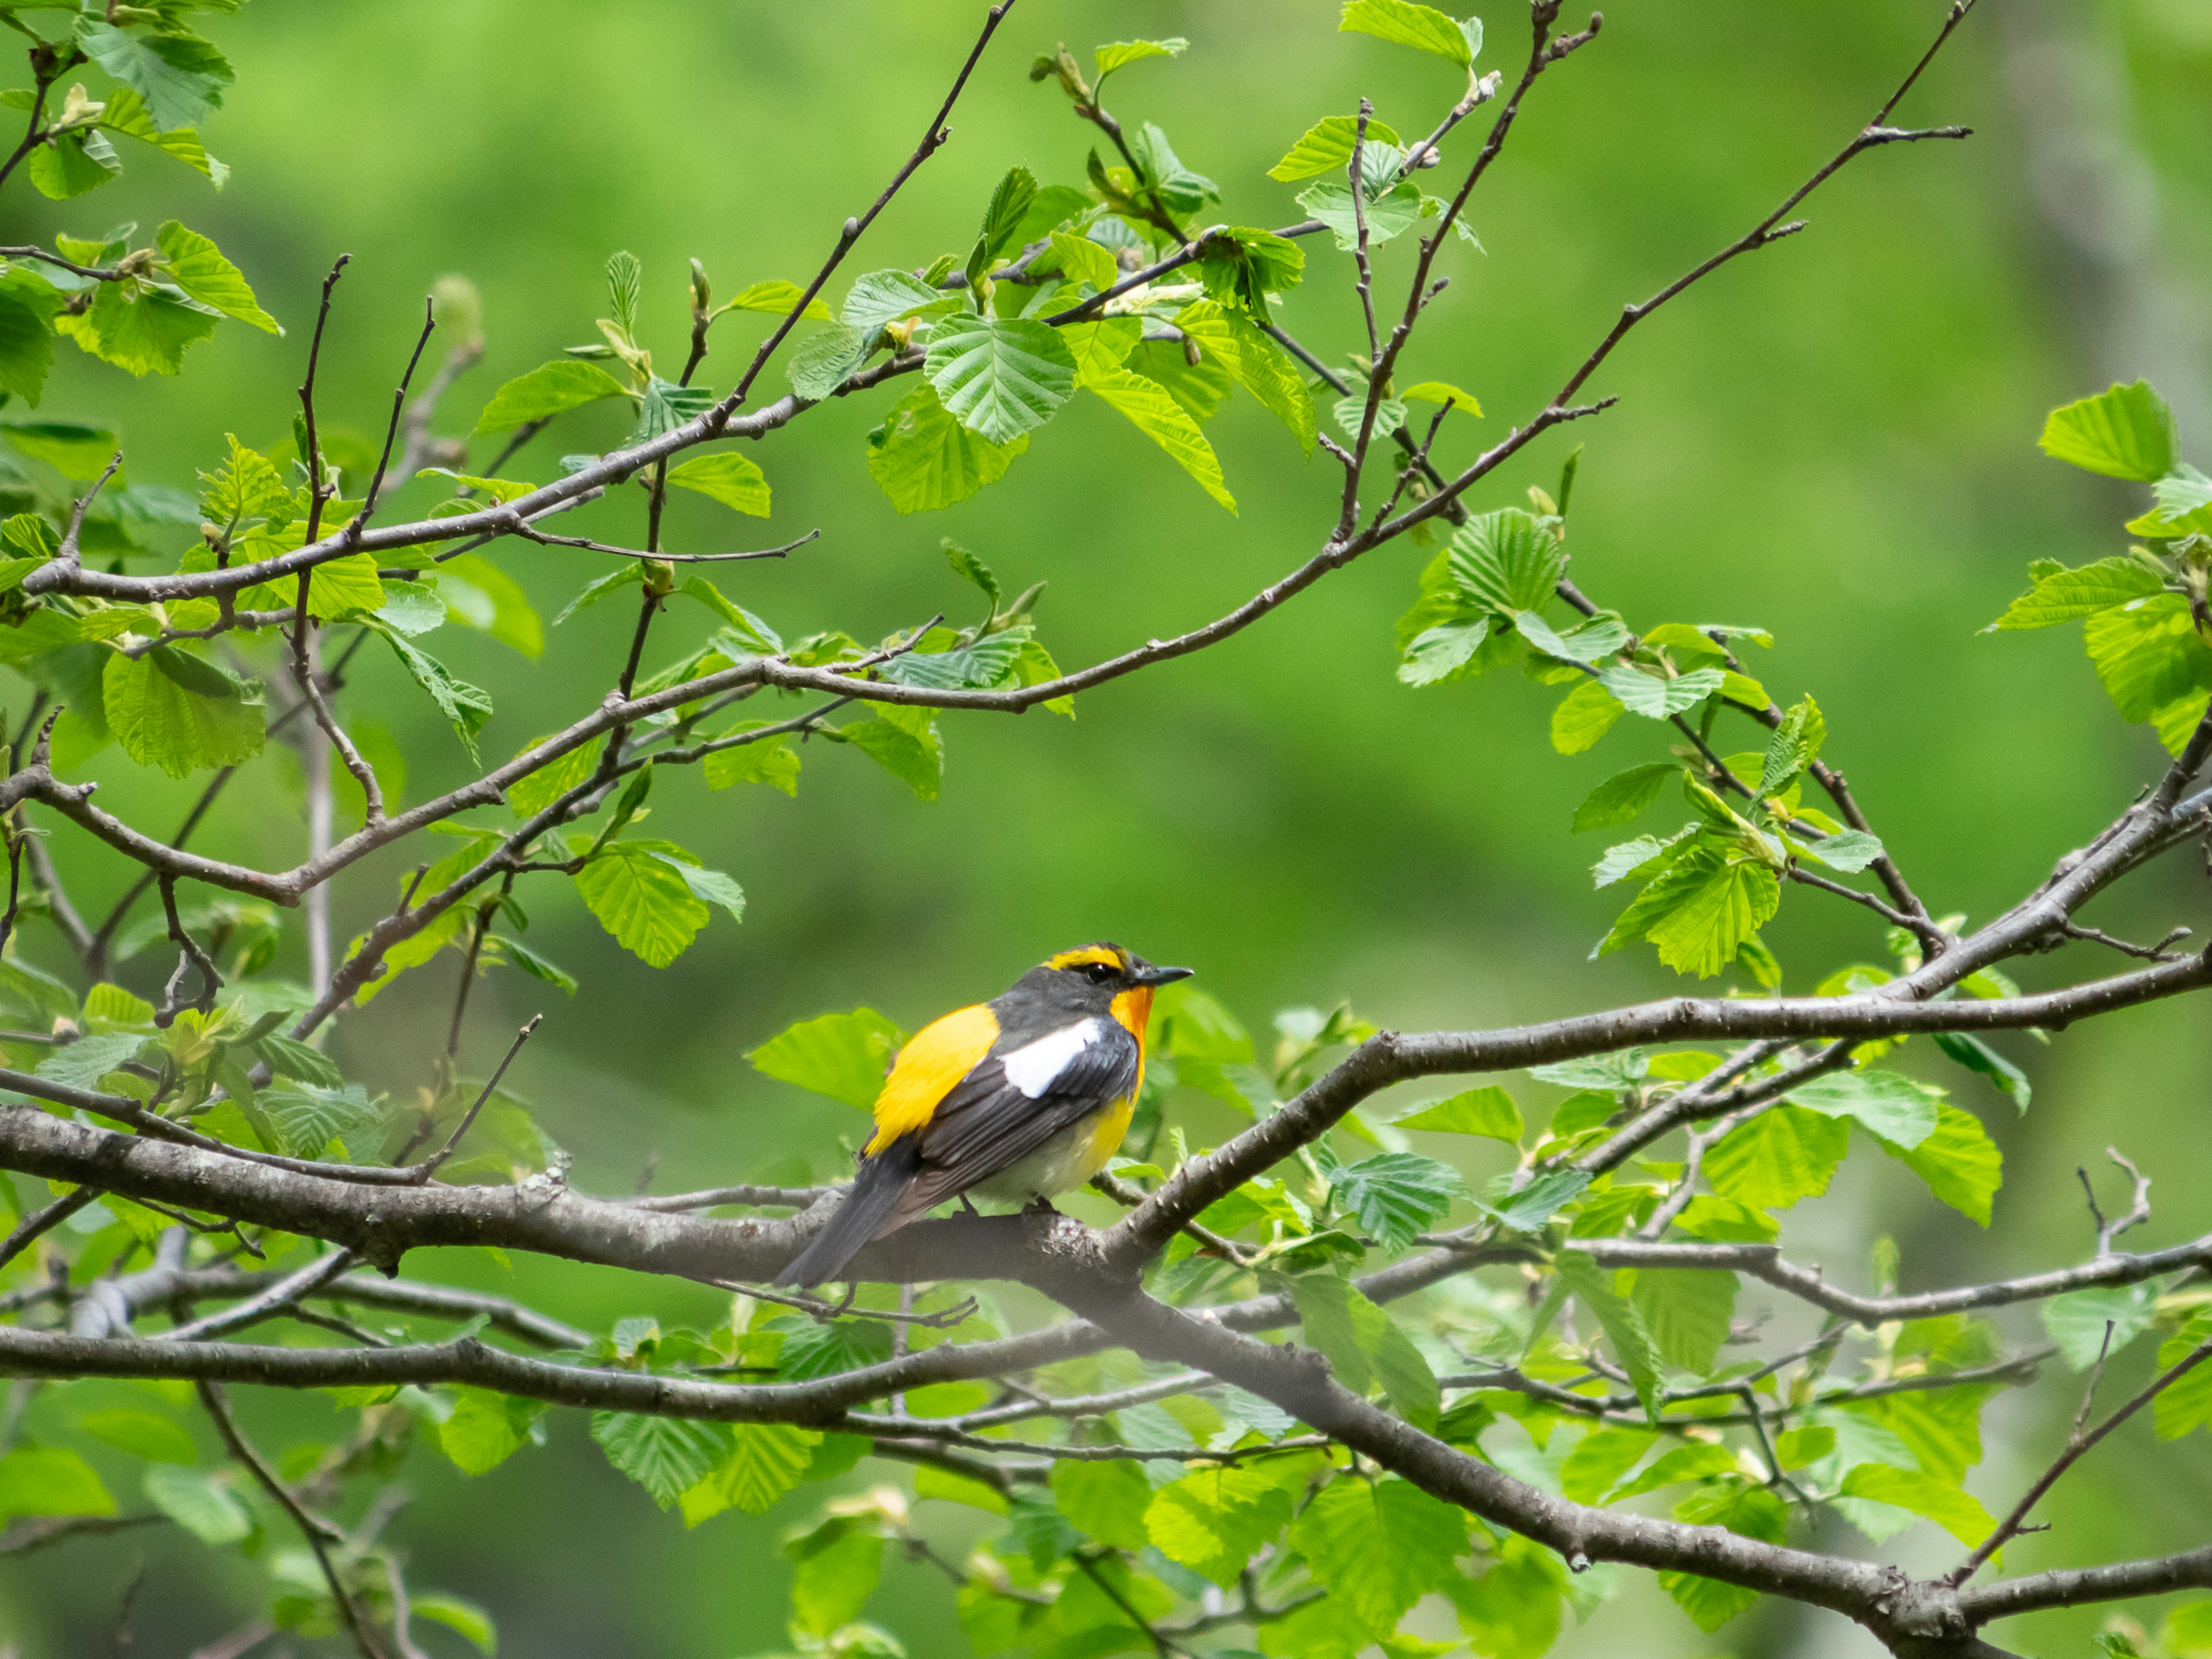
pixel 1833 438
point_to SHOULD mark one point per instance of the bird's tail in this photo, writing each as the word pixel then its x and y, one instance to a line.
pixel 878 1187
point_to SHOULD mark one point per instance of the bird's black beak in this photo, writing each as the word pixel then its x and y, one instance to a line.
pixel 1148 975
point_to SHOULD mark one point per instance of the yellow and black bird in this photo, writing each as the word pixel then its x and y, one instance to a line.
pixel 1017 1098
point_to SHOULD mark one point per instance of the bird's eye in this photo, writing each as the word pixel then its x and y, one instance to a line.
pixel 1098 972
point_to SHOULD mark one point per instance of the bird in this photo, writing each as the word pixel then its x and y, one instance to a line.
pixel 1015 1099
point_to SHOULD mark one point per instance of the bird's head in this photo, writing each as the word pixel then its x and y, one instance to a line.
pixel 1112 967
pixel 1102 979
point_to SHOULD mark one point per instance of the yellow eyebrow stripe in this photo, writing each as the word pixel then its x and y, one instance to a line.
pixel 934 1060
pixel 1105 955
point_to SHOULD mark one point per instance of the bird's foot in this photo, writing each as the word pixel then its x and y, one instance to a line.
pixel 968 1206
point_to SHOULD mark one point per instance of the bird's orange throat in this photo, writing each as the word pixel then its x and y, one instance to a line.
pixel 1133 1010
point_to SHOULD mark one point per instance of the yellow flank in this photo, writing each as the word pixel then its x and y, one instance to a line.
pixel 1105 1138
pixel 1104 955
pixel 1133 1010
pixel 934 1059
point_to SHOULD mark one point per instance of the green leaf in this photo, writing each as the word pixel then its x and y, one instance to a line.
pixel 1241 266
pixel 1396 1195
pixel 146 334
pixel 1898 1109
pixel 1687 1312
pixel 479 594
pixel 2124 431
pixel 844 1056
pixel 1002 377
pixel 549 390
pixel 1957 1511
pixel 464 707
pixel 1794 745
pixel 181 76
pixel 82 1064
pixel 1656 698
pixel 732 479
pixel 823 364
pixel 143 1434
pixel 1438 655
pixel 1444 391
pixel 1691 1462
pixel 125 111
pixel 2082 591
pixel 50 1480
pixel 1010 205
pixel 1535 1204
pixel 197 266
pixel 1488 1111
pixel 1149 408
pixel 1389 215
pixel 2186 1403
pixel 1255 361
pixel 985 662
pixel 1584 716
pixel 484 1429
pixel 1326 148
pixel 1214 1521
pixel 2077 1320
pixel 1959 1163
pixel 202 1504
pixel 666 1456
pixel 1507 562
pixel 71 163
pixel 879 297
pixel 1106 1501
pixel 1848 850
pixel 917 760
pixel 1632 1344
pixel 1702 910
pixel 28 307
pixel 644 901
pixel 667 407
pixel 308 1119
pixel 1623 796
pixel 777 298
pixel 245 486
pixel 771 761
pixel 2150 659
pixel 1779 1157
pixel 1750 1510
pixel 1379 1548
pixel 768 1460
pixel 1599 637
pixel 1422 28
pixel 834 1569
pixel 1352 413
pixel 530 795
pixel 923 459
pixel 181 712
pixel 1363 1345
pixel 1086 263
pixel 1122 53
pixel 470 1621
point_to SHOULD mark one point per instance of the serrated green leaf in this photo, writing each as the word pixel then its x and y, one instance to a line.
pixel 181 76
pixel 1488 1111
pixel 2124 431
pixel 1120 54
pixel 666 1456
pixel 484 1429
pixel 1688 1312
pixel 1779 1157
pixel 2077 1321
pixel 1898 1109
pixel 923 459
pixel 1214 1521
pixel 732 479
pixel 549 390
pixel 2064 595
pixel 1000 377
pixel 844 1056
pixel 464 707
pixel 645 901
pixel 1959 1163
pixel 202 1504
pixel 1957 1511
pixel 1379 1548
pixel 1148 406
pixel 181 712
pixel 1422 28
pixel 197 266
pixel 1396 1195
pixel 1326 148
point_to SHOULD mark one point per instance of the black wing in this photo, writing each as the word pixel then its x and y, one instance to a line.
pixel 986 1124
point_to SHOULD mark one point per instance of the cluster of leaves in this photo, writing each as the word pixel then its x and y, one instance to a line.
pixel 2144 614
pixel 1758 1448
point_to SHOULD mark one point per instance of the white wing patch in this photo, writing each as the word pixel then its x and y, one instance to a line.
pixel 1034 1067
